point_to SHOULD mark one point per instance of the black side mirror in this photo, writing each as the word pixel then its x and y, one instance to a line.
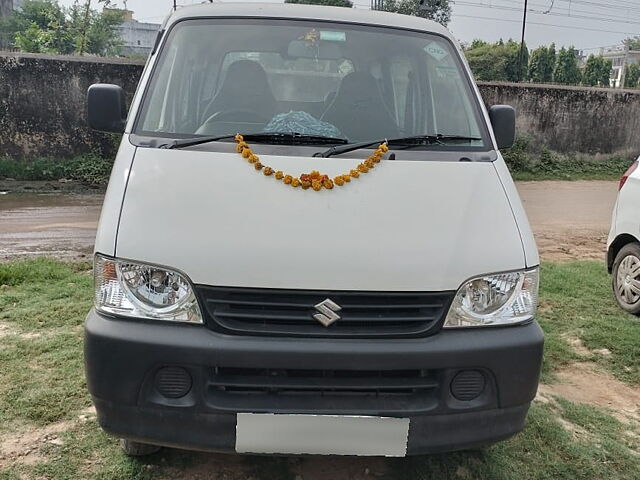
pixel 503 120
pixel 107 108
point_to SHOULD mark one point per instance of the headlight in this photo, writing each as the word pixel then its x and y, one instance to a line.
pixel 134 289
pixel 495 300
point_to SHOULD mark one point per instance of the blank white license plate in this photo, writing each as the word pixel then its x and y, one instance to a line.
pixel 321 435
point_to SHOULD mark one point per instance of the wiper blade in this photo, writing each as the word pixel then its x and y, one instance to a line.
pixel 349 147
pixel 414 140
pixel 275 137
pixel 437 139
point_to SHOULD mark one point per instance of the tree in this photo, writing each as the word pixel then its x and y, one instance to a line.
pixel 437 10
pixel 513 61
pixel 633 43
pixel 597 71
pixel 632 77
pixel 93 31
pixel 495 61
pixel 334 3
pixel 43 26
pixel 567 71
pixel 542 63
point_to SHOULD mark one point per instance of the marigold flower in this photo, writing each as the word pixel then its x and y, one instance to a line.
pixel 314 179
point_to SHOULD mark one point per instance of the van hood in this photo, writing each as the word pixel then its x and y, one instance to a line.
pixel 404 226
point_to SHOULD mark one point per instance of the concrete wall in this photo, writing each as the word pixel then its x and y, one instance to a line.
pixel 43 109
pixel 573 119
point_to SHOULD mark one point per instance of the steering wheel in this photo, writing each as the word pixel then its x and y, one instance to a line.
pixel 234 115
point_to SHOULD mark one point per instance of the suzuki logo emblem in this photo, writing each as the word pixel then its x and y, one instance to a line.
pixel 328 312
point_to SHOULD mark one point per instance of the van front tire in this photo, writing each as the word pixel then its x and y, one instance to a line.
pixel 624 276
pixel 137 449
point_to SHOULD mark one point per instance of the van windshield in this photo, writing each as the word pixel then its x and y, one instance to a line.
pixel 353 82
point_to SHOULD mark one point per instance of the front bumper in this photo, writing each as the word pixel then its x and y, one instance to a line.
pixel 122 358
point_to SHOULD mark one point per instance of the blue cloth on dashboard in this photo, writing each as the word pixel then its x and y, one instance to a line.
pixel 301 122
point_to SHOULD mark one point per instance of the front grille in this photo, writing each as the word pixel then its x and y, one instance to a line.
pixel 304 390
pixel 253 311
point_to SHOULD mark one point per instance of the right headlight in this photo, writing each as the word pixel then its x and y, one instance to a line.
pixel 134 289
pixel 509 298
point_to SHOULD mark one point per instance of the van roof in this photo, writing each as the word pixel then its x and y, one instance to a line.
pixel 307 12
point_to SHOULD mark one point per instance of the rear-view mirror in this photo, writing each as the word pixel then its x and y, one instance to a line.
pixel 107 108
pixel 503 120
pixel 321 51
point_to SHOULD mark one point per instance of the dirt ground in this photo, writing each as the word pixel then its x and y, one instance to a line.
pixel 570 220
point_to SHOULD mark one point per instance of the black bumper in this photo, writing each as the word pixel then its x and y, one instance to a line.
pixel 122 359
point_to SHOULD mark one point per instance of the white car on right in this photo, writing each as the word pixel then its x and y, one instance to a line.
pixel 623 246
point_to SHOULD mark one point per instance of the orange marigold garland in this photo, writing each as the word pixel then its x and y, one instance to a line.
pixel 314 180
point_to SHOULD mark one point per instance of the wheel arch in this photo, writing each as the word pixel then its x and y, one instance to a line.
pixel 617 245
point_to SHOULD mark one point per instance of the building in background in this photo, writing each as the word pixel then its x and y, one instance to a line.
pixel 137 37
pixel 620 58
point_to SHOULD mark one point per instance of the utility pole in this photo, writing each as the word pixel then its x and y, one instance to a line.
pixel 85 27
pixel 522 46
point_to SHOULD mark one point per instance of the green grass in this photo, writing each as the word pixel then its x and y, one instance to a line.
pixel 43 304
pixel 577 301
pixel 544 450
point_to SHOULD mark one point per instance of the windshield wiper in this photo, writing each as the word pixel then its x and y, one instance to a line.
pixel 405 141
pixel 271 137
pixel 437 139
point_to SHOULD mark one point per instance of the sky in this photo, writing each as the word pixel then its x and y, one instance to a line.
pixel 586 24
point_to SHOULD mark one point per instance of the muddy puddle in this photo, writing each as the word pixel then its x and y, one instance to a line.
pixel 61 225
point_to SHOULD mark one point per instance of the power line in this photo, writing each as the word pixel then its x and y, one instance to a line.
pixel 601 18
pixel 545 24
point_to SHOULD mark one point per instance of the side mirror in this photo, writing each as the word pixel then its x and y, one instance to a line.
pixel 107 108
pixel 503 120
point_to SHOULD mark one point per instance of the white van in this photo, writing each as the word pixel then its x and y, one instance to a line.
pixel 310 243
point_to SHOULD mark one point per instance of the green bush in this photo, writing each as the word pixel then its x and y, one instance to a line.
pixel 525 163
pixel 89 169
pixel 517 157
